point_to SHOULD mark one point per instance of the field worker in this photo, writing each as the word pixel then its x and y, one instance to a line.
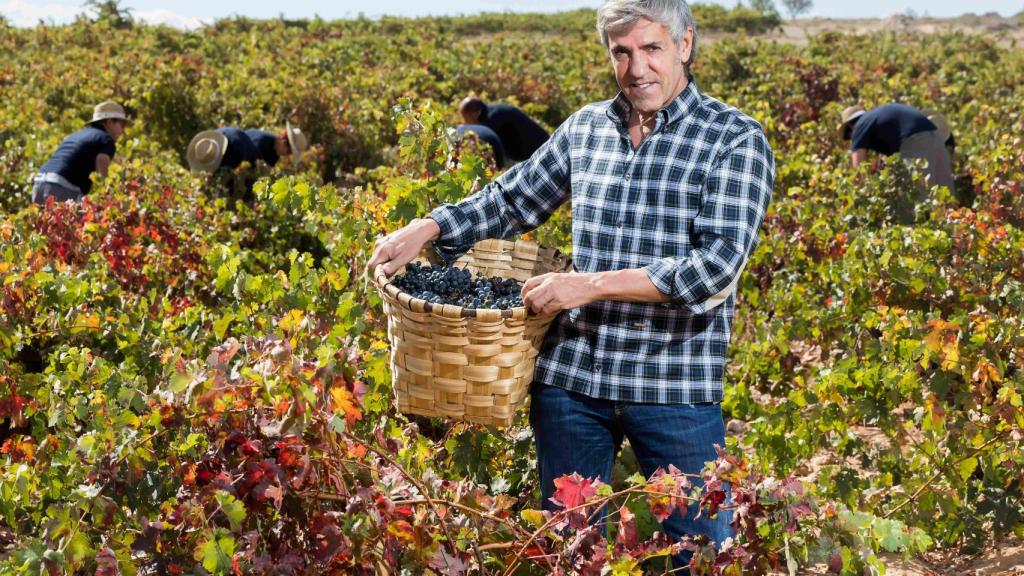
pixel 668 189
pixel 893 128
pixel 488 136
pixel 65 176
pixel 229 147
pixel 519 134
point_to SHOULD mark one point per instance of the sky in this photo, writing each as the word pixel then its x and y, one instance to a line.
pixel 192 13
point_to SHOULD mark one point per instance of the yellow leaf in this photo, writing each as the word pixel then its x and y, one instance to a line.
pixel 533 517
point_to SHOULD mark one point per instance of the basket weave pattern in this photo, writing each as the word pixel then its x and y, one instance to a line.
pixel 470 364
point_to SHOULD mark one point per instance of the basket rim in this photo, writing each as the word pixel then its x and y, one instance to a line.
pixel 414 304
pixel 446 310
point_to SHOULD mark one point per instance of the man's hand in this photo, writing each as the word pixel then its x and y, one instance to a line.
pixel 553 292
pixel 403 245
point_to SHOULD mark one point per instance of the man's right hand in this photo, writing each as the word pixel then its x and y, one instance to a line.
pixel 403 245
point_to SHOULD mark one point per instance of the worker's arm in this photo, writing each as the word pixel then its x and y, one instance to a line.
pixel 858 156
pixel 102 163
pixel 738 190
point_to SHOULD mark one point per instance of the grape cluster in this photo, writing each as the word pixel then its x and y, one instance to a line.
pixel 447 285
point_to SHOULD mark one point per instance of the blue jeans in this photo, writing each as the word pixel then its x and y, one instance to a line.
pixel 576 433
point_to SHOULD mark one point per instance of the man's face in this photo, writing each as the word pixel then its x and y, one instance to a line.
pixel 281 145
pixel 649 65
pixel 114 127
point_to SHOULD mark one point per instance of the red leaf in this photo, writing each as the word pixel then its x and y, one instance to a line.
pixel 447 564
pixel 572 491
pixel 106 563
pixel 626 535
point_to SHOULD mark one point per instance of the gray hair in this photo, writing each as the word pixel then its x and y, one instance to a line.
pixel 616 16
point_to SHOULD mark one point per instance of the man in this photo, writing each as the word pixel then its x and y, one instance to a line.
pixel 230 147
pixel 893 128
pixel 487 136
pixel 520 135
pixel 668 189
pixel 66 175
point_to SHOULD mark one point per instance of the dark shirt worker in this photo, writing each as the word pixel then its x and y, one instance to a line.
pixel 66 175
pixel 897 128
pixel 487 136
pixel 229 147
pixel 520 135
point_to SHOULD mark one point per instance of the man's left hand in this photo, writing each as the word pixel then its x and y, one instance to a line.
pixel 554 292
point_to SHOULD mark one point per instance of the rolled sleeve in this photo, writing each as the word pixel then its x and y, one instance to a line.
pixel 517 202
pixel 738 189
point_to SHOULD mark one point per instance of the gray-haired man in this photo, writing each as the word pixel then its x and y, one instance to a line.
pixel 668 190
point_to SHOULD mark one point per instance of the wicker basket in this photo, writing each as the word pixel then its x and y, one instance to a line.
pixel 463 363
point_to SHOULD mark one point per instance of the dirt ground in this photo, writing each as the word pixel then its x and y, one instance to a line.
pixel 1009 30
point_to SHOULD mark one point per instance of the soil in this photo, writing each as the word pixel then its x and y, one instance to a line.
pixel 1008 30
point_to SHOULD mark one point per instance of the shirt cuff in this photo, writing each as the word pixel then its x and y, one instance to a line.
pixel 447 218
pixel 662 274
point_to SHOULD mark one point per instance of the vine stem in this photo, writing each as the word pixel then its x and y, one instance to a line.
pixel 419 486
pixel 920 490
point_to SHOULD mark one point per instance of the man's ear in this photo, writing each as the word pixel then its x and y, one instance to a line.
pixel 686 45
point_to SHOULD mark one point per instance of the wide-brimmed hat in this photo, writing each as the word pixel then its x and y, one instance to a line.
pixel 296 141
pixel 206 150
pixel 849 115
pixel 108 109
pixel 939 119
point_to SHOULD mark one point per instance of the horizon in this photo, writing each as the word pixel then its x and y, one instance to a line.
pixel 190 14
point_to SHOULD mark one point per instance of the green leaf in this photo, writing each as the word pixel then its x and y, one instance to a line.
pixel 890 534
pixel 232 508
pixel 215 554
pixel 220 325
pixel 967 468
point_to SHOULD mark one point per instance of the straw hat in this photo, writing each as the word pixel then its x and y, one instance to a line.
pixel 108 109
pixel 206 150
pixel 849 115
pixel 939 119
pixel 296 141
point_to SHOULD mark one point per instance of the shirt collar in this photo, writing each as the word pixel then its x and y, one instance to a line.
pixel 686 103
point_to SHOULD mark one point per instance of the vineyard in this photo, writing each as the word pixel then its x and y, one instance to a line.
pixel 191 384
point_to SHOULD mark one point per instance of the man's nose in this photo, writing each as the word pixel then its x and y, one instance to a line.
pixel 638 64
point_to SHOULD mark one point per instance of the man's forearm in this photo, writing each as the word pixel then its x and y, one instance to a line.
pixel 630 285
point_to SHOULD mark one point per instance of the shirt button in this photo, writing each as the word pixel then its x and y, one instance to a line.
pixel 618 223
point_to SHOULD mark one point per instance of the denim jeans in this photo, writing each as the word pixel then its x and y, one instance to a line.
pixel 576 433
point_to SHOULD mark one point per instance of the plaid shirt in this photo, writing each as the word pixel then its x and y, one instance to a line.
pixel 685 206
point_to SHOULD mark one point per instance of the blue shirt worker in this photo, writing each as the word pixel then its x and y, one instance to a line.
pixel 66 175
pixel 229 147
pixel 487 136
pixel 897 128
pixel 520 135
pixel 668 187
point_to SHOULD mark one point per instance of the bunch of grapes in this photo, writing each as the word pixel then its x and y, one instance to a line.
pixel 446 285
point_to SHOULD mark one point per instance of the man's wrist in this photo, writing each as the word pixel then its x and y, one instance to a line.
pixel 598 284
pixel 429 228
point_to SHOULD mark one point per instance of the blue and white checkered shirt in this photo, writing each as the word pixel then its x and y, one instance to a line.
pixel 685 206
